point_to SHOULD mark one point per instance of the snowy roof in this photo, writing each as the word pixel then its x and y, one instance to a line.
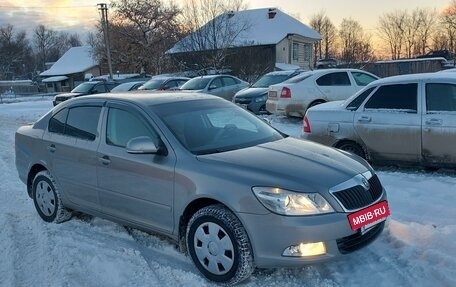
pixel 55 79
pixel 256 27
pixel 75 60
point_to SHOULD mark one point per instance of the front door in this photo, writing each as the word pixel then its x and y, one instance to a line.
pixel 134 187
pixel 439 124
pixel 389 123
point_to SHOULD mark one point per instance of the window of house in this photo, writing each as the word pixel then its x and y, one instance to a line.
pixel 307 52
pixel 334 79
pixel 123 126
pixel 401 97
pixel 295 51
pixel 440 97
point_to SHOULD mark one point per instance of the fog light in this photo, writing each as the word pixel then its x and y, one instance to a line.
pixel 305 249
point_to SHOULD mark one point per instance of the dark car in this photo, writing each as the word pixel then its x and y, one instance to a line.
pixel 254 97
pixel 86 88
pixel 164 83
pixel 437 53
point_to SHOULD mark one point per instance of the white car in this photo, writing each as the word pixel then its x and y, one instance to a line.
pixel 294 96
pixel 407 120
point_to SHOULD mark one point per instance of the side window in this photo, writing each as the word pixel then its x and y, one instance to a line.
pixel 216 83
pixel 334 79
pixel 57 122
pixel 170 84
pixel 440 97
pixel 181 82
pixel 123 126
pixel 82 122
pixel 401 97
pixel 354 105
pixel 227 81
pixel 100 88
pixel 362 79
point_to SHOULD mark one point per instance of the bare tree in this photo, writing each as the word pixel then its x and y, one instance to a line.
pixel 448 22
pixel 323 25
pixel 391 29
pixel 411 26
pixel 45 41
pixel 209 28
pixel 140 32
pixel 355 44
pixel 15 54
pixel 428 21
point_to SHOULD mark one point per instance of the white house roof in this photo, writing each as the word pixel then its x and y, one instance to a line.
pixel 260 29
pixel 55 79
pixel 75 60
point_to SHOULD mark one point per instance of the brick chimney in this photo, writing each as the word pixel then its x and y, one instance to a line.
pixel 271 13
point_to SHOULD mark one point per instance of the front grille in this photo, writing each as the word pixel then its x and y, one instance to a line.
pixel 357 197
pixel 356 241
pixel 244 101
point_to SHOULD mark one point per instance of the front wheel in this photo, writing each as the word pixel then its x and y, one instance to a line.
pixel 219 246
pixel 47 200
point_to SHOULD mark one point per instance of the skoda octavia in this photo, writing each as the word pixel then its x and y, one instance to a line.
pixel 232 191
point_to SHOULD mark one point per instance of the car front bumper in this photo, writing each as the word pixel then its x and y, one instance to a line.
pixel 271 234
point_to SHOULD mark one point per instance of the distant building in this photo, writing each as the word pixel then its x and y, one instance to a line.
pixel 70 69
pixel 251 38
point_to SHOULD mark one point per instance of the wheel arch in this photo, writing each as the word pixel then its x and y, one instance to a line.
pixel 316 102
pixel 36 168
pixel 341 142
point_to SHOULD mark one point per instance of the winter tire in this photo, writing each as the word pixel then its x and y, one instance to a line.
pixel 219 246
pixel 47 199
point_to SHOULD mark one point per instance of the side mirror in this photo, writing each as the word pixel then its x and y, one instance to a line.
pixel 142 145
pixel 211 87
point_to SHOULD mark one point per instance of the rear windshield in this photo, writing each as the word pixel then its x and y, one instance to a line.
pixel 268 80
pixel 298 79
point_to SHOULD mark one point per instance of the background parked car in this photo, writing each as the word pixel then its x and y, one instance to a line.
pixel 164 83
pixel 407 119
pixel 254 97
pixel 86 88
pixel 224 86
pixel 129 86
pixel 308 89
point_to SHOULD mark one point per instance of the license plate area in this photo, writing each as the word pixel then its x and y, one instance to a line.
pixel 366 218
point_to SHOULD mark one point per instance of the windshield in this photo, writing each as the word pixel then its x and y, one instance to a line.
pixel 151 84
pixel 195 84
pixel 83 88
pixel 268 80
pixel 211 126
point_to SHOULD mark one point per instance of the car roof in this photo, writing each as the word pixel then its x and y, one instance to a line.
pixel 212 76
pixel 284 72
pixel 416 77
pixel 147 99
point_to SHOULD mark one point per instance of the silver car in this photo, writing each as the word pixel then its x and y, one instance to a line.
pixel 228 188
pixel 224 86
pixel 409 119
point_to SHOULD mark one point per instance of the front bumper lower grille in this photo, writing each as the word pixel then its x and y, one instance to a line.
pixel 358 240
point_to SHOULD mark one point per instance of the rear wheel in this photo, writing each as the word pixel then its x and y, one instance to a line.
pixel 353 148
pixel 47 200
pixel 219 246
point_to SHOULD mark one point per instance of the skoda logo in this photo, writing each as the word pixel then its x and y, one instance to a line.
pixel 365 183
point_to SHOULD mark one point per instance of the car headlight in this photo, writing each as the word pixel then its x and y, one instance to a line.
pixel 263 98
pixel 288 202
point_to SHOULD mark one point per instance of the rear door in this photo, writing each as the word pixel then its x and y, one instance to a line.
pixel 134 187
pixel 335 86
pixel 389 123
pixel 439 123
pixel 72 139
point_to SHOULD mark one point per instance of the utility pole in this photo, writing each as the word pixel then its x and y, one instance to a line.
pixel 104 22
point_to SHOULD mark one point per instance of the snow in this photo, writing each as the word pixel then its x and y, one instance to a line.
pixel 417 248
pixel 75 60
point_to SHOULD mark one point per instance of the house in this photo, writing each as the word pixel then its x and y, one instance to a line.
pixel 255 39
pixel 70 70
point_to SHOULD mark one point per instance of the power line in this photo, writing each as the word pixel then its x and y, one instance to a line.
pixel 46 7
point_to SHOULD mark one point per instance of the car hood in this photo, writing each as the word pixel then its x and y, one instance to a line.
pixel 251 92
pixel 288 163
pixel 69 95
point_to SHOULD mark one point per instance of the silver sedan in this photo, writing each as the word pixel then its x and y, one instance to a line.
pixel 228 188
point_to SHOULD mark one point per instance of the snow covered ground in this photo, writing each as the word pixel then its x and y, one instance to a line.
pixel 417 248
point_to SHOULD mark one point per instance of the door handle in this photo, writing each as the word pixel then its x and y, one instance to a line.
pixel 51 148
pixel 104 160
pixel 364 119
pixel 433 122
